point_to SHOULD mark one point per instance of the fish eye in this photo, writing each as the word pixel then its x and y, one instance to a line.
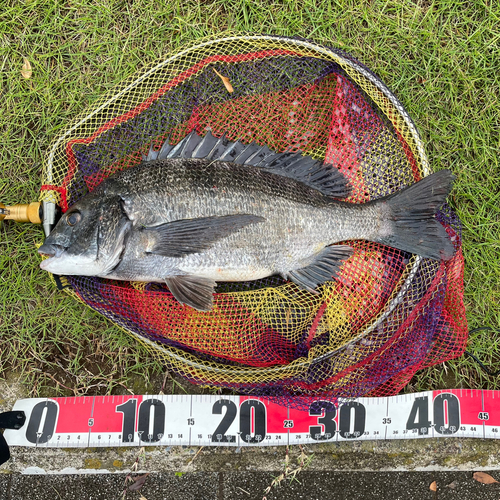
pixel 73 218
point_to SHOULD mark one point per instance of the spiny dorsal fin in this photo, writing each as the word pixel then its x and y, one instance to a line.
pixel 323 177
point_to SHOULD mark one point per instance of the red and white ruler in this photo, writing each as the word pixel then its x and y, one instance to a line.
pixel 198 420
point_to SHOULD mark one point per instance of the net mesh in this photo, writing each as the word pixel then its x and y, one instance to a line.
pixel 387 315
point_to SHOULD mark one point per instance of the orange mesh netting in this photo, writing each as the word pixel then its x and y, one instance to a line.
pixel 387 315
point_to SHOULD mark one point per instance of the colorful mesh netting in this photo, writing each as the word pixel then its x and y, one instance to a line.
pixel 389 313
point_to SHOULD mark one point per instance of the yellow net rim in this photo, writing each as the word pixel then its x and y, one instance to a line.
pixel 378 92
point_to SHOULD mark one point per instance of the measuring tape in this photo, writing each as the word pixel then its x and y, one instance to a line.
pixel 202 420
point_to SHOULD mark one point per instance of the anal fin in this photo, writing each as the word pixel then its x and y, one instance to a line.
pixel 322 267
pixel 193 291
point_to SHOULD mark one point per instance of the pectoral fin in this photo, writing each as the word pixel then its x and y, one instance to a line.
pixel 192 290
pixel 324 266
pixel 183 237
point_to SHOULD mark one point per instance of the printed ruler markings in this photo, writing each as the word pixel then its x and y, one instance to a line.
pixel 337 420
pixel 382 403
pixel 191 418
pixel 91 420
pixel 387 416
pixel 432 418
pixel 288 430
pixel 118 421
pixel 482 409
pixel 41 426
pixel 496 417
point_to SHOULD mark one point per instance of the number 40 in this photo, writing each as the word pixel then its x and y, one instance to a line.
pixel 446 412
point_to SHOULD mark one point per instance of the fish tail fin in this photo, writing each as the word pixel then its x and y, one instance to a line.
pixel 412 212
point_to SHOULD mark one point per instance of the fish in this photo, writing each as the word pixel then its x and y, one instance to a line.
pixel 210 210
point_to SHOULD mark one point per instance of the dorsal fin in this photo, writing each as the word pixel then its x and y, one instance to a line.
pixel 323 177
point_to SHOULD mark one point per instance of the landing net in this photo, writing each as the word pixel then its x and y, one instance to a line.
pixel 388 314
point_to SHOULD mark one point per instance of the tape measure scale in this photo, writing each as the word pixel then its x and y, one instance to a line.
pixel 202 420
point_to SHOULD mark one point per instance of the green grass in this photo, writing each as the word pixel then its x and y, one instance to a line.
pixel 441 58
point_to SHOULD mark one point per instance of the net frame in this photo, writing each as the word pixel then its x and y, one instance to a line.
pixel 202 370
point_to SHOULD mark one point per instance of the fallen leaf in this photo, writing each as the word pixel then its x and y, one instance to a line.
pixel 143 498
pixel 452 485
pixel 138 482
pixel 225 81
pixel 484 478
pixel 26 70
pixel 433 486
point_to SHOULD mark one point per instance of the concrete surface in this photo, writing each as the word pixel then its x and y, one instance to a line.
pixel 5 481
pixel 442 454
pixel 251 486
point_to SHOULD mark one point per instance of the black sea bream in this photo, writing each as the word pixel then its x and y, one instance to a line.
pixel 211 210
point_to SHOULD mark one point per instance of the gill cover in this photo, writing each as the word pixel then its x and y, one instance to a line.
pixel 89 239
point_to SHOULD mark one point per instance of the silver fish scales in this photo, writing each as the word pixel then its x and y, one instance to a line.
pixel 211 210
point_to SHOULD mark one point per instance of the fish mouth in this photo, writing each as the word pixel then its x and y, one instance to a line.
pixel 51 250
